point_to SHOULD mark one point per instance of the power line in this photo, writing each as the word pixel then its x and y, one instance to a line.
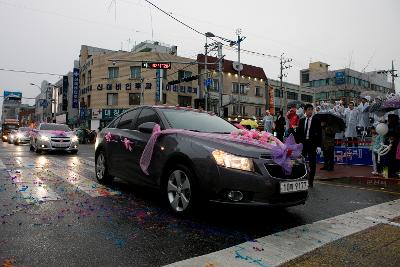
pixel 31 72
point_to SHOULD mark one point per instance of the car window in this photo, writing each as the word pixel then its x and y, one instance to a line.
pixel 54 127
pixel 128 119
pixel 114 123
pixel 147 115
pixel 197 121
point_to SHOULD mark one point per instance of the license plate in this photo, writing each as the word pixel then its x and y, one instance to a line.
pixel 288 187
pixel 60 145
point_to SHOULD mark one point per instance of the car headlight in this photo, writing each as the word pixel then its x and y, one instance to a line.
pixel 231 161
pixel 44 138
pixel 74 138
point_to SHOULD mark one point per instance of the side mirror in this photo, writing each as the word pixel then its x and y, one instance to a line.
pixel 146 127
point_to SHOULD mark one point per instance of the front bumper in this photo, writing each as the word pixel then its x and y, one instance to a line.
pixel 53 146
pixel 259 188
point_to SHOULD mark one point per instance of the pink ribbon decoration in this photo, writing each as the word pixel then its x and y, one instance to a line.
pixel 59 133
pixel 128 144
pixel 281 153
pixel 108 137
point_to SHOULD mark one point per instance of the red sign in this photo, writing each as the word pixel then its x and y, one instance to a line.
pixel 156 65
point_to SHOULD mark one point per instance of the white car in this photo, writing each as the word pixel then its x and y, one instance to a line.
pixel 53 137
pixel 22 136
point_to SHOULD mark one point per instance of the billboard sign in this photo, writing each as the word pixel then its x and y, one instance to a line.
pixel 65 93
pixel 75 88
pixel 339 77
pixel 12 94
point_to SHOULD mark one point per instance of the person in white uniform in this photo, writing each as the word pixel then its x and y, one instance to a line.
pixel 352 117
pixel 268 122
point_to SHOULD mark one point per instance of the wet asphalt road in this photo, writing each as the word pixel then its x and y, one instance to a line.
pixel 54 213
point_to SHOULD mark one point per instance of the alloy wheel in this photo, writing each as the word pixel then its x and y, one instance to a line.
pixel 100 166
pixel 179 190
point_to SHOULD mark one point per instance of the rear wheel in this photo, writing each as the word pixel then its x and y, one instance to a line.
pixel 180 189
pixel 31 148
pixel 101 169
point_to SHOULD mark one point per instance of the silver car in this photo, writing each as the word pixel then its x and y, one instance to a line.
pixel 22 136
pixel 53 137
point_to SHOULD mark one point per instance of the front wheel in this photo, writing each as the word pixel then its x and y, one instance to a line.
pixel 101 169
pixel 179 189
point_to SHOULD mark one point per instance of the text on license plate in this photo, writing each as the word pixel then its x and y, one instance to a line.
pixel 60 145
pixel 287 187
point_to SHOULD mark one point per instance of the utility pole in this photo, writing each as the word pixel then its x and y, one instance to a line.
pixel 239 40
pixel 283 67
pixel 205 77
pixel 392 73
pixel 221 79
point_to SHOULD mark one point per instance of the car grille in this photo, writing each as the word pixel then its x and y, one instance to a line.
pixel 60 139
pixel 298 171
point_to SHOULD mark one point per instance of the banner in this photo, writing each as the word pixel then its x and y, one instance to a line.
pixel 75 88
pixel 350 155
pixel 65 93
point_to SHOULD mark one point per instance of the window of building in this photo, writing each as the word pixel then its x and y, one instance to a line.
pixel 112 99
pixel 113 72
pixel 258 112
pixel 136 72
pixel 184 101
pixel 306 98
pixel 305 76
pixel 258 91
pixel 83 78
pixel 88 101
pixel 235 88
pixel 128 119
pixel 134 99
pixel 165 74
pixel 89 76
pixel 183 74
pixel 215 85
pixel 236 110
pixel 278 93
pixel 164 98
pixel 292 96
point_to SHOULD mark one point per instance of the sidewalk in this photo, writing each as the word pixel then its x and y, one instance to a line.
pixel 355 174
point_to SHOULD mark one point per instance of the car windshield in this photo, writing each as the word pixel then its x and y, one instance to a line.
pixel 24 129
pixel 55 127
pixel 10 126
pixel 197 121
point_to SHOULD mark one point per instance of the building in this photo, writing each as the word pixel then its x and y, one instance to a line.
pixel 26 115
pixel 346 84
pixel 113 81
pixel 249 99
pixel 155 46
pixel 11 105
pixel 66 111
pixel 294 92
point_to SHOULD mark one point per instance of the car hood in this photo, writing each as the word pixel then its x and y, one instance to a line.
pixel 232 147
pixel 55 133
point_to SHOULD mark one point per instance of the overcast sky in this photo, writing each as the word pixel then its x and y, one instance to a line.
pixel 46 35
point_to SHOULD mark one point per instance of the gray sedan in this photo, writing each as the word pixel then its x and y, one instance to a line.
pixel 191 168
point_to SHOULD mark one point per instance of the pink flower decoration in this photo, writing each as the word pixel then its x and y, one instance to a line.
pixel 128 144
pixel 108 137
pixel 255 135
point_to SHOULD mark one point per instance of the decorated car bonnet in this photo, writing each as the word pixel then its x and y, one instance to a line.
pixel 282 153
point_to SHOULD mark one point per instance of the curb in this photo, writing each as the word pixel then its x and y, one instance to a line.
pixel 375 181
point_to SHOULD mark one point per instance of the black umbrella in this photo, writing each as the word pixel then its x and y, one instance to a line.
pixel 332 120
pixel 295 103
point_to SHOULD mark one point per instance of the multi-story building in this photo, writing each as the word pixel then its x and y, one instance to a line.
pixel 155 46
pixel 248 99
pixel 11 105
pixel 345 84
pixel 112 81
pixel 294 92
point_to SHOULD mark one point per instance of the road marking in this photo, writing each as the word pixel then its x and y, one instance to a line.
pixel 284 246
pixel 31 188
pixel 359 187
pixel 86 185
pixel 73 163
pixel 2 166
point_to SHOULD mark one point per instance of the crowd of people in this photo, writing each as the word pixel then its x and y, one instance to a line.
pixel 379 131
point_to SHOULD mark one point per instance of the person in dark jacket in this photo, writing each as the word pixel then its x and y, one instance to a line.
pixel 328 146
pixel 280 123
pixel 309 134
